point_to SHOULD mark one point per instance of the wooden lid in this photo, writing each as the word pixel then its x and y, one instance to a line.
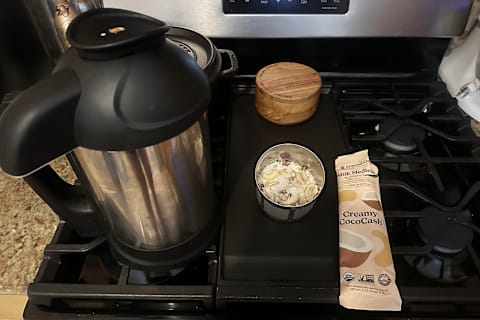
pixel 289 81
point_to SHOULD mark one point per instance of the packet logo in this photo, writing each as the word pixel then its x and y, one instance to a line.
pixel 368 278
pixel 348 276
pixel 384 279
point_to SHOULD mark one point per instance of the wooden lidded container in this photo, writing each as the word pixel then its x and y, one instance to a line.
pixel 287 93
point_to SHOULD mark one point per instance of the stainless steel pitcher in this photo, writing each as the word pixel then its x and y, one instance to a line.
pixel 127 106
pixel 153 197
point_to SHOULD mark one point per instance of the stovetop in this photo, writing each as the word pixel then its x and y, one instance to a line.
pixel 429 166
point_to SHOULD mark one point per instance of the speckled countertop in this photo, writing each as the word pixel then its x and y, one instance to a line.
pixel 27 224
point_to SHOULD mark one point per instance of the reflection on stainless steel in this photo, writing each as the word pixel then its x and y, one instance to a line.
pixel 366 18
pixel 154 197
pixel 64 14
pixel 81 6
pixel 44 17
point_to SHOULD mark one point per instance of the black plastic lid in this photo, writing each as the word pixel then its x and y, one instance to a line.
pixel 130 90
pixel 147 91
pixel 107 33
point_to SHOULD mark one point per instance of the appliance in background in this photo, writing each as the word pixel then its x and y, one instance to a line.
pixel 23 62
pixel 140 144
pixel 269 19
pixel 460 70
pixel 51 19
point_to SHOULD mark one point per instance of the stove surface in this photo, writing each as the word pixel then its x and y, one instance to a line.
pixel 429 165
pixel 428 160
pixel 255 247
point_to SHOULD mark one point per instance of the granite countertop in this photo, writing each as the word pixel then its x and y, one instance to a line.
pixel 27 225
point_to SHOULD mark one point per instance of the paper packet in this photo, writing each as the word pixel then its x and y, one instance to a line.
pixel 367 273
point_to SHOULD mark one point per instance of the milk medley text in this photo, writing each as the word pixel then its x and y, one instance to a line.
pixel 288 183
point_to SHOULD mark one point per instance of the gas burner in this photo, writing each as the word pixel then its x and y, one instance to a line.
pixel 448 234
pixel 404 137
pixel 142 277
pixel 447 269
pixel 100 267
pixel 403 167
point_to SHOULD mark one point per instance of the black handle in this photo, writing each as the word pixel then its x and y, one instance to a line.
pixel 232 70
pixel 69 202
pixel 36 127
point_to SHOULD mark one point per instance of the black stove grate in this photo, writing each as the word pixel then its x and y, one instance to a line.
pixel 437 168
pixel 84 276
pixel 428 156
pixel 429 134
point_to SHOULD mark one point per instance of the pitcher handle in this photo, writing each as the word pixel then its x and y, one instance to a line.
pixel 69 202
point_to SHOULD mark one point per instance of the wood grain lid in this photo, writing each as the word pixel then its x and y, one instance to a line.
pixel 289 81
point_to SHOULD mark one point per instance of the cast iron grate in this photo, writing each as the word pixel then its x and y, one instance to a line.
pixel 428 156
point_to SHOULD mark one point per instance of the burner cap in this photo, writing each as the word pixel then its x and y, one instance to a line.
pixel 443 230
pixel 448 269
pixel 147 277
pixel 404 138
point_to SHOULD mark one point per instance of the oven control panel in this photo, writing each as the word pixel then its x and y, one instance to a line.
pixel 286 6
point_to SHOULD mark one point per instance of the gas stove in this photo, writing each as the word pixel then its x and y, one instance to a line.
pixel 380 92
pixel 427 154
